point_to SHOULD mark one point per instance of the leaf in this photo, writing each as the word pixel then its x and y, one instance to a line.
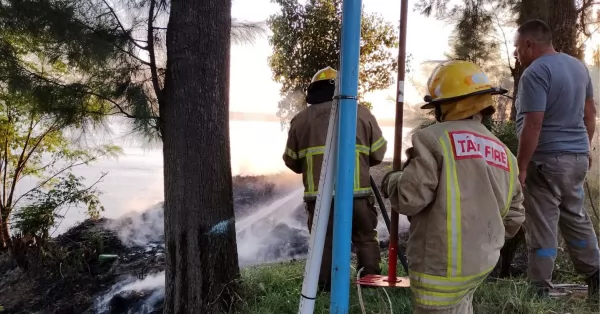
pixel 306 38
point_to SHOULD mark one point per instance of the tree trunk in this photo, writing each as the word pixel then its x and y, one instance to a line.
pixel 6 233
pixel 526 10
pixel 563 20
pixel 516 72
pixel 5 239
pixel 201 253
pixel 562 17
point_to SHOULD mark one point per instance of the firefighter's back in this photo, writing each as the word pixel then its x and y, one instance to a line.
pixel 310 128
pixel 465 223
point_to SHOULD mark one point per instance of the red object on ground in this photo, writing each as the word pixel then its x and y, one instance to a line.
pixel 384 281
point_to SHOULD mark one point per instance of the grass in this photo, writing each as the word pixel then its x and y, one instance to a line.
pixel 275 289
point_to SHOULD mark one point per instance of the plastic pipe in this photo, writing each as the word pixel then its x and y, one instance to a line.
pixel 342 224
pixel 321 215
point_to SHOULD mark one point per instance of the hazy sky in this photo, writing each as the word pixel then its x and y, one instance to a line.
pixel 251 76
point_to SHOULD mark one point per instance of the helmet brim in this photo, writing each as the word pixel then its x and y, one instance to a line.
pixel 494 91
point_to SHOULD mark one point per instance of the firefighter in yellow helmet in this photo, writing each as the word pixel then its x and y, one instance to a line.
pixel 304 154
pixel 460 189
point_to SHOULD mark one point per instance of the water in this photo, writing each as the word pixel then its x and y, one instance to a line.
pixel 135 184
pixel 154 284
pixel 281 208
pixel 258 242
pixel 135 181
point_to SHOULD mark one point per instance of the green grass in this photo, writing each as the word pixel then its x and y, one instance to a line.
pixel 276 289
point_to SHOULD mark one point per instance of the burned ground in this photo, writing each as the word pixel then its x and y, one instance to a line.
pixel 76 272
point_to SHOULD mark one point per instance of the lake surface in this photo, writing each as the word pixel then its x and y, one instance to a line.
pixel 135 181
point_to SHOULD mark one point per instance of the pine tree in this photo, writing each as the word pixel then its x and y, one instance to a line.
pixel 306 38
pixel 569 20
pixel 202 264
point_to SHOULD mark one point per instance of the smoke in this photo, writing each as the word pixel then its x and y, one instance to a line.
pixel 270 227
pixel 273 232
pixel 150 292
pixel 140 229
pixel 273 229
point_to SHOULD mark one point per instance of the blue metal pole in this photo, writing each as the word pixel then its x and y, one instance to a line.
pixel 343 201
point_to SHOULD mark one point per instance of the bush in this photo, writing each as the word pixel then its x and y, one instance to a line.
pixel 44 208
pixel 505 131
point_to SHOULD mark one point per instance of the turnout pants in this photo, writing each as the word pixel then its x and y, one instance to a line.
pixel 364 238
pixel 554 199
pixel 464 307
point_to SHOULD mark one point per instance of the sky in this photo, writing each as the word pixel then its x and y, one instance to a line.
pixel 427 39
pixel 251 77
pixel 134 182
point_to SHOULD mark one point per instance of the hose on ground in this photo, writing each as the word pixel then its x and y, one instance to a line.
pixel 360 296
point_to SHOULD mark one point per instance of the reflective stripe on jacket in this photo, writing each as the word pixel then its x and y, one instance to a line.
pixel 306 146
pixel 462 192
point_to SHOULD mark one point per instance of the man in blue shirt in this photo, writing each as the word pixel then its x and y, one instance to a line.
pixel 556 118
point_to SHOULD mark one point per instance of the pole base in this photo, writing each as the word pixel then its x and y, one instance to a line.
pixel 383 281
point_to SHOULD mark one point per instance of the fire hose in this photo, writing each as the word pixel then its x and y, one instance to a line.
pixel 386 218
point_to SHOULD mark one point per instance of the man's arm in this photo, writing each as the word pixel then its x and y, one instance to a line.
pixel 378 143
pixel 290 156
pixel 532 97
pixel 589 112
pixel 416 187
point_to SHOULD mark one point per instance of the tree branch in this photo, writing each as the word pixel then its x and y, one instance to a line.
pixel 39 185
pixel 4 180
pixel 102 175
pixel 505 42
pixel 586 5
pixel 87 91
pixel 114 14
pixel 116 46
pixel 22 162
pixel 153 69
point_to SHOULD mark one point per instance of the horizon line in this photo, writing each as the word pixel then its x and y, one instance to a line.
pixel 268 117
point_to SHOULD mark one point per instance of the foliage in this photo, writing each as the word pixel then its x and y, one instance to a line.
pixel 306 38
pixel 41 214
pixel 477 24
pixel 35 146
pixel 114 59
pixel 473 24
pixel 505 131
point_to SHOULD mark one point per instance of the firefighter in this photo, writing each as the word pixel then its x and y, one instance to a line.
pixel 460 188
pixel 304 154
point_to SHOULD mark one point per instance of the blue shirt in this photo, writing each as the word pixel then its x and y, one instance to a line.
pixel 558 85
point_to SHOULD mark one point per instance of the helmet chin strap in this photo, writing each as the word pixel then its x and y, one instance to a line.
pixel 438 113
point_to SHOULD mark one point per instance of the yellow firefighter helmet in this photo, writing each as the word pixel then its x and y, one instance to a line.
pixel 454 80
pixel 325 74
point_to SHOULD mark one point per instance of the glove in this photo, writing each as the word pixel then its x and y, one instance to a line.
pixel 390 181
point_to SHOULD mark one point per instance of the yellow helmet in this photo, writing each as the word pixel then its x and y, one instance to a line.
pixel 325 74
pixel 453 80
